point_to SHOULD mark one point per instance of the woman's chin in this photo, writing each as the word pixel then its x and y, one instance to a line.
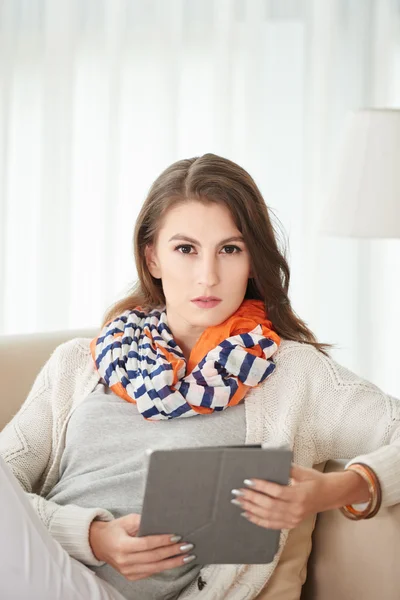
pixel 209 317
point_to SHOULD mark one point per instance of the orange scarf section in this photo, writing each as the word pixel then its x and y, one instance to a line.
pixel 249 314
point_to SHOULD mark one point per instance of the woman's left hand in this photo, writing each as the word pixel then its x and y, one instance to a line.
pixel 277 506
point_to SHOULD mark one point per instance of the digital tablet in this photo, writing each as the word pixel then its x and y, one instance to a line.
pixel 188 493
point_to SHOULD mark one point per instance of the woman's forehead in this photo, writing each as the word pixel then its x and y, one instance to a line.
pixel 201 216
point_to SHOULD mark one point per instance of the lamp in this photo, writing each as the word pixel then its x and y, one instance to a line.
pixel 364 199
pixel 364 202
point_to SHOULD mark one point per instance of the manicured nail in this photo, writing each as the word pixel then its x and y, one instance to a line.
pixel 236 502
pixel 245 515
pixel 249 482
pixel 189 559
pixel 237 493
pixel 175 538
pixel 186 547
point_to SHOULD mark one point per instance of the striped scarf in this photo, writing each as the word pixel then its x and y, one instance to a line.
pixel 138 358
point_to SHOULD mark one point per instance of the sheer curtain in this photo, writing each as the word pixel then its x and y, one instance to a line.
pixel 98 96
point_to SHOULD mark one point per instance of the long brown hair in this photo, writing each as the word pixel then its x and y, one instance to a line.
pixel 211 178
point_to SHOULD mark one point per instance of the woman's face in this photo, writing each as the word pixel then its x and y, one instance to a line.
pixel 199 253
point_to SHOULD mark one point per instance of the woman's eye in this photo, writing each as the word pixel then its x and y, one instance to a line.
pixel 184 248
pixel 231 249
pixel 187 249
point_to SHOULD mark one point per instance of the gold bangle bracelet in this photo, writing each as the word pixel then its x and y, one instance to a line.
pixel 375 492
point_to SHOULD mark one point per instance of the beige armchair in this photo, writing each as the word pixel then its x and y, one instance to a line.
pixel 349 561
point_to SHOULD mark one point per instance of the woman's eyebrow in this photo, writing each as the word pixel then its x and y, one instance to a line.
pixel 181 236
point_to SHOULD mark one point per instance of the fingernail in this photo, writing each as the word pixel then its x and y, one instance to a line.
pixel 175 538
pixel 186 547
pixel 236 502
pixel 237 493
pixel 249 482
pixel 244 514
pixel 189 559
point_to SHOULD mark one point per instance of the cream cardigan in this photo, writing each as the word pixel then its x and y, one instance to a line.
pixel 310 402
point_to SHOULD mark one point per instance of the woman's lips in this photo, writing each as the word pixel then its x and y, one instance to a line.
pixel 206 303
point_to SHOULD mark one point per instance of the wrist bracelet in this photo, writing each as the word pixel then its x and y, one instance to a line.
pixel 375 492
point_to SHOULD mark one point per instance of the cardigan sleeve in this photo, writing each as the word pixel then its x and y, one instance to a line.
pixel 26 445
pixel 351 418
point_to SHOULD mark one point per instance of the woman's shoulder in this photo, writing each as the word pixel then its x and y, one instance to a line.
pixel 76 348
pixel 298 359
pixel 304 362
pixel 71 361
pixel 303 352
pixel 298 350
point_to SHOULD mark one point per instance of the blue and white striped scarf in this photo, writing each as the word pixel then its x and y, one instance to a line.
pixel 138 358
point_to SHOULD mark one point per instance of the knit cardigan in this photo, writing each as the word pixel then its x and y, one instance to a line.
pixel 322 410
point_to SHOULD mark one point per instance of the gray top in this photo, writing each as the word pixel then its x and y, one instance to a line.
pixel 104 464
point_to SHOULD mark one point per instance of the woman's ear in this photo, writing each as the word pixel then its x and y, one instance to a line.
pixel 152 261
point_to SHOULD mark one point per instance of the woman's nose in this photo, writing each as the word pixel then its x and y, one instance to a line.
pixel 208 273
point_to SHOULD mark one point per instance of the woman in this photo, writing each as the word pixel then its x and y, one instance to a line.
pixel 208 334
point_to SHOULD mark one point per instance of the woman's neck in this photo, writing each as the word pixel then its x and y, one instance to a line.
pixel 186 349
pixel 184 335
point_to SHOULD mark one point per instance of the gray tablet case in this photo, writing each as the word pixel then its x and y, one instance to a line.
pixel 188 493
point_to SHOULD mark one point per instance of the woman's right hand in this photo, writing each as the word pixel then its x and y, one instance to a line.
pixel 115 543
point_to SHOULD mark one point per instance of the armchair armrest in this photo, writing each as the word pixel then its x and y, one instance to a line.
pixel 354 560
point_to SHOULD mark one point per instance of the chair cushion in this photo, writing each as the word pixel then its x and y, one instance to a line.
pixel 291 571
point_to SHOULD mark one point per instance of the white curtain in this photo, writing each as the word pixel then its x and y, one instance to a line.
pixel 98 96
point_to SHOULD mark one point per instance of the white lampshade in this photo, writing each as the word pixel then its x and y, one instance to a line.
pixel 364 199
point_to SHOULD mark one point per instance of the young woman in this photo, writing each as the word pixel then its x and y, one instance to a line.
pixel 206 350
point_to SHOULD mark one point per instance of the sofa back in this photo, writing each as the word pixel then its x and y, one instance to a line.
pixel 21 358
